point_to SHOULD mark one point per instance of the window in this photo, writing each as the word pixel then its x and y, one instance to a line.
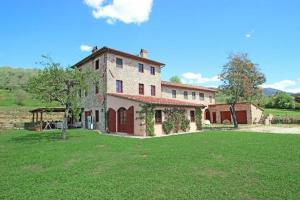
pixel 158 119
pixel 174 94
pixel 97 115
pixel 210 99
pixel 201 96
pixel 85 93
pixel 141 68
pixel 119 86
pixel 119 62
pixel 185 94
pixel 192 115
pixel 141 89
pixel 194 95
pixel 96 88
pixel 152 70
pixel 97 64
pixel 153 90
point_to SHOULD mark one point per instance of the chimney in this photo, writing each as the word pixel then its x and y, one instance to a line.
pixel 95 48
pixel 144 53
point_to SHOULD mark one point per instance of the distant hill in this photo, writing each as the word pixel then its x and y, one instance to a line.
pixel 270 91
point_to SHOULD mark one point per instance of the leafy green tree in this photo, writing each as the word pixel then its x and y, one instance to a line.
pixel 175 79
pixel 58 84
pixel 241 80
pixel 281 100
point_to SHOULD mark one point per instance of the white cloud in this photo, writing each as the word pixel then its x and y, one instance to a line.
pixel 85 48
pixel 281 85
pixel 127 11
pixel 249 34
pixel 284 85
pixel 197 78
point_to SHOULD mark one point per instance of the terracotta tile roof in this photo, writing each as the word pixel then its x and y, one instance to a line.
pixel 116 52
pixel 156 100
pixel 186 86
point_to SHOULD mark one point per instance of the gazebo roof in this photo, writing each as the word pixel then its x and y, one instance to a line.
pixel 47 110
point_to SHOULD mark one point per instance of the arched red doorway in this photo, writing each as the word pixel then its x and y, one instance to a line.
pixel 122 119
pixel 125 120
pixel 207 115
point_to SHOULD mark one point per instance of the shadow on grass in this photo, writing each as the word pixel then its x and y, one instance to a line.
pixel 35 137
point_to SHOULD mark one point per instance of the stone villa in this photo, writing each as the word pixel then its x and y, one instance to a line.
pixel 128 80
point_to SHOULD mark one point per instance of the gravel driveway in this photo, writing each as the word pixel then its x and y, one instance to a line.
pixel 274 129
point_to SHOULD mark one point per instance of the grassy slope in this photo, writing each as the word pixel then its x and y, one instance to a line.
pixel 8 99
pixel 282 112
pixel 216 165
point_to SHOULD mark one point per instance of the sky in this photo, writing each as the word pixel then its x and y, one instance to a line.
pixel 192 37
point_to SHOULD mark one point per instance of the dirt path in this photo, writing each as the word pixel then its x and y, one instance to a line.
pixel 274 129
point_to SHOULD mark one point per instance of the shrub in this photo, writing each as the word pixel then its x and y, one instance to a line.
pixel 185 125
pixel 146 114
pixel 198 118
pixel 285 120
pixel 21 97
pixel 167 127
pixel 150 123
pixel 177 117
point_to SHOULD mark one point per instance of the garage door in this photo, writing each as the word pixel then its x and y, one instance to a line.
pixel 225 115
pixel 241 117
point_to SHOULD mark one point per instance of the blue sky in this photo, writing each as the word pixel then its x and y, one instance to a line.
pixel 193 38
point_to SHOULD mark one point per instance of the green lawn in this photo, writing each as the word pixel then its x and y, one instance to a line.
pixel 282 112
pixel 210 165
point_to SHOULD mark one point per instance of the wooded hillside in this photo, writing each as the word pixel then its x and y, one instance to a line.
pixel 15 78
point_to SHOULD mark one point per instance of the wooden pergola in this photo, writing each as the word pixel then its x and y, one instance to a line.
pixel 37 114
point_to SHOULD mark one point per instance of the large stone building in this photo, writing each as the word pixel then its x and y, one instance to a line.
pixel 127 81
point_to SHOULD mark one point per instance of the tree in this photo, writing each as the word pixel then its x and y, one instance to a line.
pixel 62 85
pixel 175 79
pixel 241 80
pixel 281 100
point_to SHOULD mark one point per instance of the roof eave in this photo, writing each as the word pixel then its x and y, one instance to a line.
pixel 114 51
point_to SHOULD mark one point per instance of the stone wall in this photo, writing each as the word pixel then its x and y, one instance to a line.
pixel 131 77
pixel 93 101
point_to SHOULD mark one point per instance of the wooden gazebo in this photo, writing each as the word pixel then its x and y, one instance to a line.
pixel 37 117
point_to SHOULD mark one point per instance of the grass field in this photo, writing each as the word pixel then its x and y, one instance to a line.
pixel 282 112
pixel 212 165
pixel 8 99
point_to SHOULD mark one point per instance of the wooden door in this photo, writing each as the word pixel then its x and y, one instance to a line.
pixel 214 115
pixel 87 114
pixel 207 115
pixel 122 120
pixel 111 116
pixel 130 120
